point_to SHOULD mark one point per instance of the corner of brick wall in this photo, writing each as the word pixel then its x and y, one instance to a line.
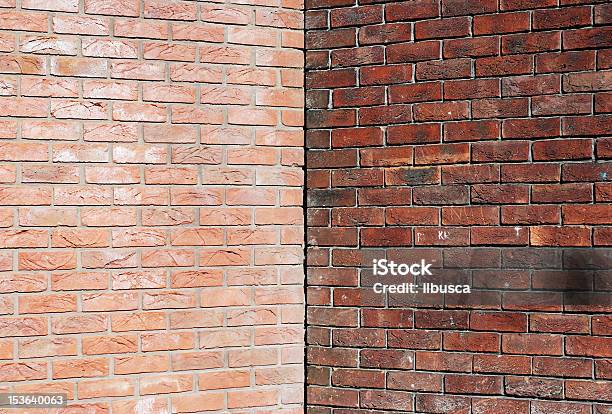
pixel 475 134
pixel 151 222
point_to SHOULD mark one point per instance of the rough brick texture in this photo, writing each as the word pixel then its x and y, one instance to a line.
pixel 474 134
pixel 151 222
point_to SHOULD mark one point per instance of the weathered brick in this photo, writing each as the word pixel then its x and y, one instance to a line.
pixel 104 203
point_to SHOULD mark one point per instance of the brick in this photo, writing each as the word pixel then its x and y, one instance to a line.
pixel 66 6
pixel 444 236
pixel 413 134
pixel 224 54
pixel 379 75
pixel 585 126
pixel 279 18
pixel 357 56
pixel 447 69
pixel 571 149
pixel 428 91
pixel 84 367
pixel 530 215
pixel 48 44
pixel 468 174
pixel 413 52
pixel 338 397
pixel 189 403
pixel 441 361
pixel 357 178
pixel 498 236
pixel 602 102
pixel 356 378
pixel 112 7
pixel 503 65
pixel 559 323
pixel 561 367
pixel 363 96
pixel 527 128
pixel 204 33
pixel 531 85
pixel 586 82
pixel 443 111
pixel 600 324
pixel 587 346
pixel 356 137
pixel 412 176
pixel 501 23
pixel 554 105
pixel 25 107
pixel 320 39
pixel 385 237
pixel 500 108
pixel 471 341
pixel 105 388
pixel 475 215
pixel 561 407
pixel 80 25
pixel 539 344
pixel 416 10
pixel 586 38
pixel 138 28
pixel 553 193
pixel 385 33
pixel 498 321
pixel 471 131
pixel 571 17
pixel 588 214
pixel 522 4
pixel 531 42
pixel 442 154
pixel 565 61
pixel 138 364
pixel 136 70
pixel 327 118
pixel 497 151
pixel 110 132
pixel 225 14
pixel 440 403
pixel 471 47
pixel 529 387
pixel 441 195
pixel 469 89
pixel 457 383
pixel 499 194
pixel 356 16
pixel 385 115
pixel 19 20
pixel 457 8
pixel 442 28
pixel 175 10
pixel 172 52
pixel 560 236
pixel 602 14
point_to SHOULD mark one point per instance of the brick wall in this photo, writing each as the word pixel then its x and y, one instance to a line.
pixel 472 134
pixel 150 204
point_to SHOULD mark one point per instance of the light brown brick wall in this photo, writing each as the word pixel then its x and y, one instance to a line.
pixel 151 221
pixel 475 135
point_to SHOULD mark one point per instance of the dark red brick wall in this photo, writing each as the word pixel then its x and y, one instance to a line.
pixel 489 121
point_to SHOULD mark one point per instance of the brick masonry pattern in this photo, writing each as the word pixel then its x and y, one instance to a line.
pixel 151 225
pixel 487 121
